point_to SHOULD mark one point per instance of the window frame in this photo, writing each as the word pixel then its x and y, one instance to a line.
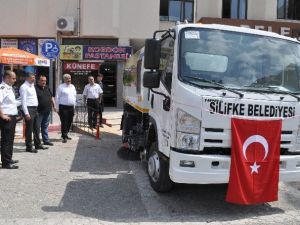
pixel 163 73
pixel 289 7
pixel 238 9
pixel 182 10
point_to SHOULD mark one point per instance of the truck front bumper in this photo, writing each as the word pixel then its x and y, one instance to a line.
pixel 213 169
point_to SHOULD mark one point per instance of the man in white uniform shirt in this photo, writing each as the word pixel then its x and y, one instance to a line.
pixel 92 94
pixel 29 105
pixel 66 101
pixel 8 113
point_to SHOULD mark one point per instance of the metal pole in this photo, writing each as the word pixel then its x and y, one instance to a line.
pixel 51 85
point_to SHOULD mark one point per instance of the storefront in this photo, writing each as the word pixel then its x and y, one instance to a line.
pixel 32 45
pixel 89 57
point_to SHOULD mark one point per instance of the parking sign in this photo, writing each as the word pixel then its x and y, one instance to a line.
pixel 50 49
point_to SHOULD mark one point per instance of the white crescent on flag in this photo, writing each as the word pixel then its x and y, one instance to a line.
pixel 256 138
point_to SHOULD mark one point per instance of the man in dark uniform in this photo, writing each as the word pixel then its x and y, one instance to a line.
pixel 101 103
pixel 8 114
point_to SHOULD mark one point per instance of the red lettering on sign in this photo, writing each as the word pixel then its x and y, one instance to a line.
pixel 80 66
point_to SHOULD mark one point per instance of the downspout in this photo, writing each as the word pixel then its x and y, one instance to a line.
pixel 79 17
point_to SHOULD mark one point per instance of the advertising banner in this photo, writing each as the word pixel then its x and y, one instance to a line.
pixel 106 52
pixel 29 45
pixel 9 43
pixel 71 52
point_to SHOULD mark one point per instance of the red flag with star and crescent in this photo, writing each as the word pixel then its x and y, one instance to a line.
pixel 255 154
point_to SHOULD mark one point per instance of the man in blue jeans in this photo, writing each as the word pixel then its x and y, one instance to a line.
pixel 45 104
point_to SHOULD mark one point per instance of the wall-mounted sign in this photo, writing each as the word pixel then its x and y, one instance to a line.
pixel 28 45
pixel 71 52
pixel 290 29
pixel 50 49
pixel 106 52
pixel 80 66
pixel 41 42
pixel 9 43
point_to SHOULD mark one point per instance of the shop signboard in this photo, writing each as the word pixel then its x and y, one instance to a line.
pixel 71 52
pixel 40 44
pixel 29 45
pixel 106 52
pixel 9 43
pixel 289 29
pixel 80 68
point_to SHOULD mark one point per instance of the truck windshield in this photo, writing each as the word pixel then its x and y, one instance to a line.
pixel 239 60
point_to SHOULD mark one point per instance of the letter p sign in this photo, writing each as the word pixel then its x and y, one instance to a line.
pixel 50 49
pixel 48 46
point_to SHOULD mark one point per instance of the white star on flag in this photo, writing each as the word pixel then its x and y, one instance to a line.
pixel 254 168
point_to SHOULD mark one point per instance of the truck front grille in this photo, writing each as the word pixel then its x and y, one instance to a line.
pixel 216 140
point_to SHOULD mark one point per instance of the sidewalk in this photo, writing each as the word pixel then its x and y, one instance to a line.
pixel 54 126
pixel 111 114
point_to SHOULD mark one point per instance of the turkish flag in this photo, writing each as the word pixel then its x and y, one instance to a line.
pixel 255 153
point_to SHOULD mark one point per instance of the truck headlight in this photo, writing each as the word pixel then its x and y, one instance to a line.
pixel 187 141
pixel 187 123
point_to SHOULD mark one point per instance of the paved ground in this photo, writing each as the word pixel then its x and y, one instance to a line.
pixel 86 182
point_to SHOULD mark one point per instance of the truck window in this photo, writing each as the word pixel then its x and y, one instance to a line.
pixel 139 76
pixel 239 60
pixel 166 62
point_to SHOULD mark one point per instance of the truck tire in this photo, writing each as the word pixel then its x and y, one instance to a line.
pixel 158 170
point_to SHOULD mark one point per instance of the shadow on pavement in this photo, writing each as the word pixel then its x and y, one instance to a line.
pixel 109 192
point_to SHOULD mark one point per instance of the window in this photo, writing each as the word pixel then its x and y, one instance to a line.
pixel 235 9
pixel 166 62
pixel 176 10
pixel 288 9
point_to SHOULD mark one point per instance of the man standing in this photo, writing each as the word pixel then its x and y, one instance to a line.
pixel 46 102
pixel 8 114
pixel 92 94
pixel 66 100
pixel 29 105
pixel 101 104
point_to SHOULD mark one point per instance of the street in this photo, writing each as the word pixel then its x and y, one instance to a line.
pixel 86 181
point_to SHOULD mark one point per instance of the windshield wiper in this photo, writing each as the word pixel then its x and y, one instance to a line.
pixel 269 89
pixel 217 84
pixel 276 90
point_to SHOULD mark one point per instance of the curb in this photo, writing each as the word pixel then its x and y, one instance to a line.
pixel 53 127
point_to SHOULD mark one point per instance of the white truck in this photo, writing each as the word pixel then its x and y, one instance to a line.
pixel 182 89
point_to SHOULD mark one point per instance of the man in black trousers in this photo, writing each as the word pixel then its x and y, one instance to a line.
pixel 29 106
pixel 66 101
pixel 8 114
pixel 92 94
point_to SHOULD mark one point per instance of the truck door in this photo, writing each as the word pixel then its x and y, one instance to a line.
pixel 164 115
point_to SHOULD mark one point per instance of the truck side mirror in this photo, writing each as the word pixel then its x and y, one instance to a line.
pixel 151 79
pixel 152 54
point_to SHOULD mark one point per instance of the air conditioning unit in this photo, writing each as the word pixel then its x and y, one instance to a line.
pixel 65 24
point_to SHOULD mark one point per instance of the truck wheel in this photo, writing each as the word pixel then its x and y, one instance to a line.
pixel 158 170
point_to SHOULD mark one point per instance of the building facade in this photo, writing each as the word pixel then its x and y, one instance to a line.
pixel 99 35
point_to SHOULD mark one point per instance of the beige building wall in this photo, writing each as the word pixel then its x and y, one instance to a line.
pixel 208 8
pixel 109 18
pixel 262 10
pixel 33 17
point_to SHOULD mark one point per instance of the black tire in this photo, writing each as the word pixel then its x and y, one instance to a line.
pixel 161 181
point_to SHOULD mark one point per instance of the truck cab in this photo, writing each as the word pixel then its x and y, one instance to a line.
pixel 190 81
